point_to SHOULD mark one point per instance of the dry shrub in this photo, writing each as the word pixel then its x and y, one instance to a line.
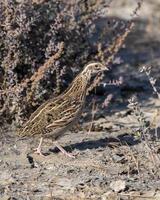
pixel 43 44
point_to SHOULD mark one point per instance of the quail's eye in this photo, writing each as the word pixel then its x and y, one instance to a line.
pixel 96 66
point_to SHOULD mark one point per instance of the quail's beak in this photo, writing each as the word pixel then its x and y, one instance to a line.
pixel 105 68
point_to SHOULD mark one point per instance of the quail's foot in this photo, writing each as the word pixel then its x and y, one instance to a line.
pixel 38 149
pixel 63 150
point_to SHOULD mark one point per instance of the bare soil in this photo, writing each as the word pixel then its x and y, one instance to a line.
pixel 102 158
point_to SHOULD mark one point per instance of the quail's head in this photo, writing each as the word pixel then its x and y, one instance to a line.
pixel 93 68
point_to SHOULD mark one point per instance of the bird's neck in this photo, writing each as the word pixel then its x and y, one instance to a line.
pixel 78 86
pixel 86 74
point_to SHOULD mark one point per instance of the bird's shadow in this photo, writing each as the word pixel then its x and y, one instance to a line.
pixel 124 139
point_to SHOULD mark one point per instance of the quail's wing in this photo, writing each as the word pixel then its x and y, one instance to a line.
pixel 38 118
pixel 39 109
pixel 50 104
pixel 39 114
pixel 63 114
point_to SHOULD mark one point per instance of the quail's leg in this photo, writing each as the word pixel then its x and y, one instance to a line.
pixel 38 149
pixel 63 150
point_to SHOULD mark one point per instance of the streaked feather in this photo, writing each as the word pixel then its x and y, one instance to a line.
pixel 58 114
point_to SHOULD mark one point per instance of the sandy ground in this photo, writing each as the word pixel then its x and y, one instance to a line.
pixel 111 163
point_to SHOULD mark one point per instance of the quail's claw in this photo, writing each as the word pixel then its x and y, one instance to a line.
pixel 63 150
pixel 69 155
pixel 38 149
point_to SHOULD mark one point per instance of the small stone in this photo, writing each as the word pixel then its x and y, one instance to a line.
pixel 157 195
pixel 65 183
pixel 6 197
pixel 118 185
pixel 118 158
pixel 6 178
pixel 110 195
pixel 148 194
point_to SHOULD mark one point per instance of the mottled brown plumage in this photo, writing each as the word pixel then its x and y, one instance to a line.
pixel 56 115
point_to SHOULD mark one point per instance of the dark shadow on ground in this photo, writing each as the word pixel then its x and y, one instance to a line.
pixel 124 139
